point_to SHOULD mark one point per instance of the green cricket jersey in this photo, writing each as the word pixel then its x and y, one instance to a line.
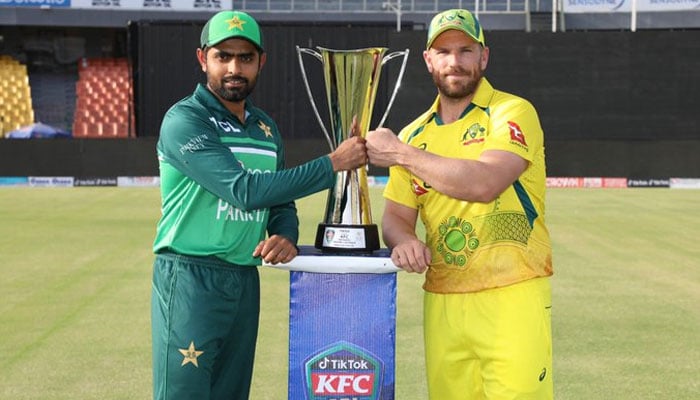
pixel 223 182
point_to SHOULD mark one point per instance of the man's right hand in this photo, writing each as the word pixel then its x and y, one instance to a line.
pixel 350 154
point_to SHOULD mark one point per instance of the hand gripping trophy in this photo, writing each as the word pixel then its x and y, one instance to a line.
pixel 351 78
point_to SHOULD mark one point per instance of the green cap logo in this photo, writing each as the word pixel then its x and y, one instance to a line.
pixel 461 20
pixel 231 24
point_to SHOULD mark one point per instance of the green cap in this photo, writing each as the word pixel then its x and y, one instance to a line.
pixel 231 24
pixel 461 20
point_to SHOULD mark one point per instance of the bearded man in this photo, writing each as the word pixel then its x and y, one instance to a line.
pixel 473 168
pixel 227 204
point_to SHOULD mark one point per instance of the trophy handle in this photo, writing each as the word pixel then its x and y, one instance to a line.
pixel 387 58
pixel 314 53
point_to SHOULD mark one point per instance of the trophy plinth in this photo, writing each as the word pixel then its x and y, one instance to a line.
pixel 352 79
pixel 339 238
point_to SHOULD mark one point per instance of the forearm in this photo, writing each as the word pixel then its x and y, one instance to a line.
pixel 254 190
pixel 469 180
pixel 249 191
pixel 464 179
pixel 399 229
pixel 213 166
pixel 396 230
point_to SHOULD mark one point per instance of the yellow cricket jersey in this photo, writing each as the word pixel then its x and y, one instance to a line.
pixel 478 246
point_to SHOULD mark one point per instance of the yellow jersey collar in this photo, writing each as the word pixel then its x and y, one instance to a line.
pixel 484 94
pixel 482 98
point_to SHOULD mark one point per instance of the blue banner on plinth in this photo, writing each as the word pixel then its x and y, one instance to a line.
pixel 342 335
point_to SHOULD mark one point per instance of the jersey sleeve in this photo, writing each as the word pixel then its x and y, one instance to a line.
pixel 514 127
pixel 191 145
pixel 283 218
pixel 284 221
pixel 398 188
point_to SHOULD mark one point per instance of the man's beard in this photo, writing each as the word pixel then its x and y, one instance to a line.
pixel 237 94
pixel 460 90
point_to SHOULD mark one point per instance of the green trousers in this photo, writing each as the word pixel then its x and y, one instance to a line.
pixel 204 321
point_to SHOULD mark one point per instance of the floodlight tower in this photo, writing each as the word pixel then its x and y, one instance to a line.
pixel 394 6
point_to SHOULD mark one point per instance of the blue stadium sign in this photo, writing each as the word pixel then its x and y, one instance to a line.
pixel 164 5
pixel 35 3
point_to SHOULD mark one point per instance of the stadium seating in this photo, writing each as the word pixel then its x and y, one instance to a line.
pixel 104 99
pixel 16 108
pixel 53 96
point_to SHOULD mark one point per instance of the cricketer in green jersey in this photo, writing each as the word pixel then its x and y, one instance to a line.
pixel 227 204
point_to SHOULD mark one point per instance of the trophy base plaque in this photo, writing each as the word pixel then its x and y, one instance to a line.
pixel 337 238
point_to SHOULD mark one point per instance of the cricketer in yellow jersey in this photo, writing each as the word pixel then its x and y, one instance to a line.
pixel 473 168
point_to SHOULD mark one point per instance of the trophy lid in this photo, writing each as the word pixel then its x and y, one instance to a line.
pixel 371 50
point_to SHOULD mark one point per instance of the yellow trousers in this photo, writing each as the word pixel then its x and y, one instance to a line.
pixel 492 345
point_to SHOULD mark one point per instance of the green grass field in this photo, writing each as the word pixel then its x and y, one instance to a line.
pixel 75 287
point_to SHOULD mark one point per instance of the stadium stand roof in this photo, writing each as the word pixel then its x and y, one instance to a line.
pixel 414 14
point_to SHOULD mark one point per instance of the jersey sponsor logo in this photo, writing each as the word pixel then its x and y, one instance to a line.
pixel 227 212
pixel 474 134
pixel 516 134
pixel 224 125
pixel 457 241
pixel 418 189
pixel 194 144
pixel 343 371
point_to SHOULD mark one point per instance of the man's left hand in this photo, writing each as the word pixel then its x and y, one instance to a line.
pixel 276 249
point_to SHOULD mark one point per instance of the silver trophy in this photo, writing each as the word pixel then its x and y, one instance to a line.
pixel 352 78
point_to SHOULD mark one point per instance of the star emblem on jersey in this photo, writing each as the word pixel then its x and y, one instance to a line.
pixel 235 23
pixel 190 355
pixel 265 128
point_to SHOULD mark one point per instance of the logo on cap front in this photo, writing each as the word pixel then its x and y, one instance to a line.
pixel 235 23
pixel 452 19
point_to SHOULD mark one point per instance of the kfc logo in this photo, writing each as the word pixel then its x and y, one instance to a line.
pixel 343 371
pixel 342 384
